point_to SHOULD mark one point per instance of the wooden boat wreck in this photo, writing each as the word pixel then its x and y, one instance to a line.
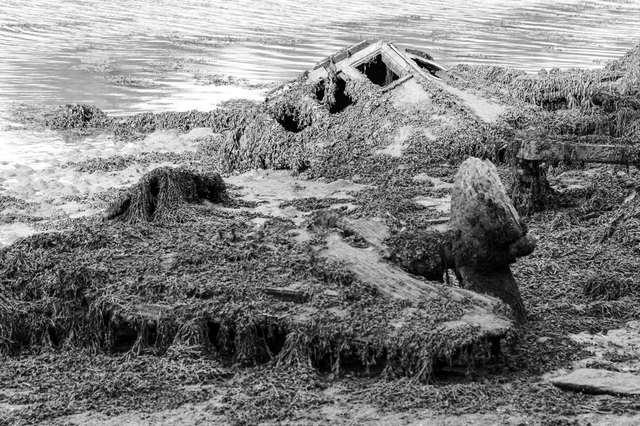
pixel 333 245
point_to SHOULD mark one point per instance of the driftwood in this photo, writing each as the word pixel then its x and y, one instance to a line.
pixel 553 151
pixel 488 234
pixel 369 266
pixel 287 294
pixel 430 322
pixel 534 190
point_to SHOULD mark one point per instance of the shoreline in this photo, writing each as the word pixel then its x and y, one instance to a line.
pixel 179 312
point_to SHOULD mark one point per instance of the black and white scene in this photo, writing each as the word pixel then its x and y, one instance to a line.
pixel 355 213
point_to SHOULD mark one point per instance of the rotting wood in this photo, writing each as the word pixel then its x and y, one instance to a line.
pixel 488 234
pixel 287 294
pixel 397 83
pixel 552 151
pixel 343 54
pixel 369 266
pixel 534 191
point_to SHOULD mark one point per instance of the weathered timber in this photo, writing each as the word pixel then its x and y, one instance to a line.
pixel 488 234
pixel 287 294
pixel 553 151
pixel 534 190
pixel 369 266
pixel 342 55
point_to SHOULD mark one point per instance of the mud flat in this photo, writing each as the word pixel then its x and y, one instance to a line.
pixel 255 307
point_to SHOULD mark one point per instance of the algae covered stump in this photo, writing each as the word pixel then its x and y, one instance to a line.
pixel 488 234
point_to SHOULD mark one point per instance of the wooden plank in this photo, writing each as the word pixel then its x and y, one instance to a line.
pixel 352 73
pixel 395 60
pixel 362 56
pixel 578 152
pixel 318 74
pixel 340 56
pixel 414 68
pixel 397 83
pixel 431 62
pixel 369 266
pixel 288 294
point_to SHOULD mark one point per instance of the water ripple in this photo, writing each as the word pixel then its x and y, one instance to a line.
pixel 62 51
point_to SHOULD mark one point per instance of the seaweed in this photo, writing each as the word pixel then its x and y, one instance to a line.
pixel 571 102
pixel 161 192
pixel 421 252
pixel 142 308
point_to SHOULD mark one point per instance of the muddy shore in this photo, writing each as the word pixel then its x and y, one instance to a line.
pixel 175 321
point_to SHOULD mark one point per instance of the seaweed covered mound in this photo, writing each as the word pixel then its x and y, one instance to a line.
pixel 601 102
pixel 228 117
pixel 160 193
pixel 627 70
pixel 78 116
pixel 338 127
pixel 83 117
pixel 213 285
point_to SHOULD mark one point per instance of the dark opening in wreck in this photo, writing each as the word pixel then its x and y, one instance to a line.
pixel 290 123
pixel 378 71
pixel 335 97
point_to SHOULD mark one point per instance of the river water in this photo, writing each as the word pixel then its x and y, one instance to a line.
pixel 128 56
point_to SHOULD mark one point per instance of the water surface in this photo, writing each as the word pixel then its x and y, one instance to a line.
pixel 160 55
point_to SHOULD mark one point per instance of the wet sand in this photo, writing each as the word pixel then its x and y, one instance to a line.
pixel 53 190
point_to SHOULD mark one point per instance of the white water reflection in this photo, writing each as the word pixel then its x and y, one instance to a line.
pixel 61 51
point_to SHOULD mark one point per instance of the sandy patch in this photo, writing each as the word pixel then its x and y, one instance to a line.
pixel 623 345
pixel 280 185
pixel 272 187
pixel 54 192
pixel 396 149
pixel 10 232
pixel 487 111
pixel 412 94
pixel 445 120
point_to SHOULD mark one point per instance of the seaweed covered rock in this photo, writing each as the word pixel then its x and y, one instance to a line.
pixel 78 116
pixel 488 234
pixel 234 116
pixel 160 193
pixel 63 117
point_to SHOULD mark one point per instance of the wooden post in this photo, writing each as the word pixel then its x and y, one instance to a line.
pixel 488 234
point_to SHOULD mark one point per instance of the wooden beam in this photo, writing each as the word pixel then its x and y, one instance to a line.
pixel 288 294
pixel 340 56
pixel 578 152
